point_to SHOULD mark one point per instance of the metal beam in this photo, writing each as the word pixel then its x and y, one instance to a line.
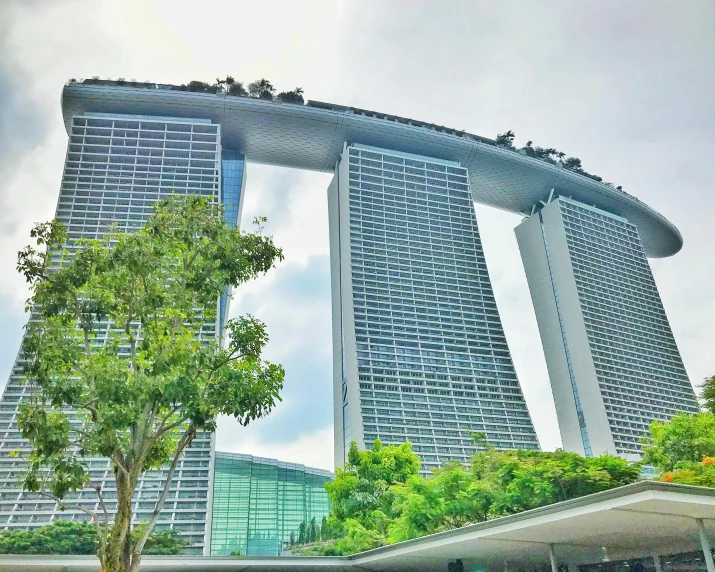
pixel 656 561
pixel 705 543
pixel 552 559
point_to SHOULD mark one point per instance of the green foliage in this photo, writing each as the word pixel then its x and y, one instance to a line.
pixel 521 480
pixel 235 553
pixel 379 497
pixel 547 154
pixel 683 439
pixel 230 86
pixel 161 376
pixel 361 489
pixel 708 394
pixel 160 542
pixel 261 88
pixel 312 533
pixel 325 532
pixel 295 96
pixel 700 474
pixel 506 139
pixel 452 498
pixel 200 86
pixel 67 537
pixel 60 537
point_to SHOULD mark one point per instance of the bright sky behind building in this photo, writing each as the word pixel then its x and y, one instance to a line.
pixel 626 86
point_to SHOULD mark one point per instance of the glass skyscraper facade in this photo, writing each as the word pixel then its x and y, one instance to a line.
pixel 233 179
pixel 258 503
pixel 419 348
pixel 612 358
pixel 116 168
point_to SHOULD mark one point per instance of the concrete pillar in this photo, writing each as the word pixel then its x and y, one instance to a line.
pixel 656 562
pixel 705 543
pixel 552 559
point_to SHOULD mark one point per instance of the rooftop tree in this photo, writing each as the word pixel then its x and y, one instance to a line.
pixel 261 88
pixel 684 439
pixel 122 362
pixel 294 96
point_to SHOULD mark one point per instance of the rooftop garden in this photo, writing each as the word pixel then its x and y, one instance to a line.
pixel 264 89
pixel 259 89
pixel 548 155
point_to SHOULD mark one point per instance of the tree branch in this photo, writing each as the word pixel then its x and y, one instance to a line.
pixel 98 490
pixel 118 458
pixel 169 427
pixel 183 443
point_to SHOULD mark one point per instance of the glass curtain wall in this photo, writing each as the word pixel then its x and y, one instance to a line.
pixel 258 503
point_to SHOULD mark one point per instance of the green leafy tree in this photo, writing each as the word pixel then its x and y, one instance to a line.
pixel 379 497
pixel 230 86
pixel 708 394
pixel 261 89
pixel 325 529
pixel 302 533
pixel 453 497
pixel 292 538
pixel 201 86
pixel 521 480
pixel 572 164
pixel 506 139
pixel 294 96
pixel 683 439
pixel 313 534
pixel 361 489
pixel 700 474
pixel 67 537
pixel 122 363
pixel 60 537
pixel 159 542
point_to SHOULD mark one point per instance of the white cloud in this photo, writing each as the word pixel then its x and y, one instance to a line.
pixel 312 450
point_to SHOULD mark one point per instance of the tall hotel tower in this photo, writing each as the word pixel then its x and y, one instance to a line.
pixel 419 349
pixel 612 359
pixel 116 167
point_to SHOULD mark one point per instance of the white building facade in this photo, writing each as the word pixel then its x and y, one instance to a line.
pixel 117 166
pixel 612 359
pixel 419 348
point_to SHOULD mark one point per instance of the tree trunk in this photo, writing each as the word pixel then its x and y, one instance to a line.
pixel 118 553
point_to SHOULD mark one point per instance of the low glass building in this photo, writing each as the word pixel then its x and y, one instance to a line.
pixel 258 503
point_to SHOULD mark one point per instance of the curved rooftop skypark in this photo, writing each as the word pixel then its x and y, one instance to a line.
pixel 312 136
pixel 419 348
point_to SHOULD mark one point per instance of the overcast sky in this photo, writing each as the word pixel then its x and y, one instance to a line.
pixel 627 86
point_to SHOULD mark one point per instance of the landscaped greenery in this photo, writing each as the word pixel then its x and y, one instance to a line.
pixel 67 537
pixel 379 497
pixel 143 395
pixel 548 154
pixel 683 449
pixel 259 89
pixel 683 439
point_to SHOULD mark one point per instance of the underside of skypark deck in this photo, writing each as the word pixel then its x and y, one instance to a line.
pixel 312 137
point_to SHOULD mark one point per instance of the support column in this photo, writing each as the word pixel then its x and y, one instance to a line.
pixel 552 559
pixel 656 561
pixel 705 543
